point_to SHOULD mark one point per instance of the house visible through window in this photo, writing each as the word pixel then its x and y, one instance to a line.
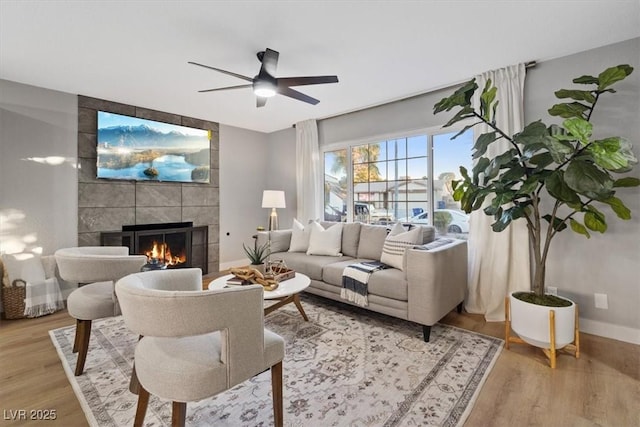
pixel 397 179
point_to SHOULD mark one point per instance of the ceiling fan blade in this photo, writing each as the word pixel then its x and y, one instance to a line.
pixel 225 88
pixel 301 81
pixel 287 91
pixel 261 101
pixel 269 62
pixel 240 76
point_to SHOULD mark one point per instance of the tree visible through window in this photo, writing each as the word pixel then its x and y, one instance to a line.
pixel 397 180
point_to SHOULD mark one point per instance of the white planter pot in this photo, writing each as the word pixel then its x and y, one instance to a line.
pixel 531 323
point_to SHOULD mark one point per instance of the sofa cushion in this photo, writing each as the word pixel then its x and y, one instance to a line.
pixel 371 241
pixel 332 273
pixel 307 264
pixel 299 237
pixel 388 283
pixel 325 242
pixel 350 236
pixel 280 239
pixel 396 243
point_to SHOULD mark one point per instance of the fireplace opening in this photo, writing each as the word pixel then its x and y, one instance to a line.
pixel 168 244
pixel 176 245
pixel 161 252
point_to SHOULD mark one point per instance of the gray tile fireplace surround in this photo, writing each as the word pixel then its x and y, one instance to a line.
pixel 108 205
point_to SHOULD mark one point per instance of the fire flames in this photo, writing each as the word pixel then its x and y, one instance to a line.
pixel 162 253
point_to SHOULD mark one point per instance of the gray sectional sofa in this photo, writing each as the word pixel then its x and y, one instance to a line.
pixel 432 283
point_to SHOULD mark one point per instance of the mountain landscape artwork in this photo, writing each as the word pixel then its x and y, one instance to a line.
pixel 129 148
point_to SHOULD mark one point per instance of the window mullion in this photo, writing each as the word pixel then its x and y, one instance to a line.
pixel 350 193
pixel 430 178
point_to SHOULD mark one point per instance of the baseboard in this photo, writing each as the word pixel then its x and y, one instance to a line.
pixel 236 263
pixel 609 330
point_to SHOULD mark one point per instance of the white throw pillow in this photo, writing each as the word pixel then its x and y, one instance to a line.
pixel 299 237
pixel 27 267
pixel 325 242
pixel 396 244
pixel 397 228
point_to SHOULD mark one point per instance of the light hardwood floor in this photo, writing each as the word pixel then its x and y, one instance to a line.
pixel 602 388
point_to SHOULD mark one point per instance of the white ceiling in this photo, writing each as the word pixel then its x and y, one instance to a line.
pixel 136 52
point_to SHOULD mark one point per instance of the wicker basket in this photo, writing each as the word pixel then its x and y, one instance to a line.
pixel 13 299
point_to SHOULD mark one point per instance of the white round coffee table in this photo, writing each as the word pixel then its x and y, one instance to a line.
pixel 288 291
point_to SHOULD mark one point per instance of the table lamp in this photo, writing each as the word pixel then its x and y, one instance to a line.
pixel 273 199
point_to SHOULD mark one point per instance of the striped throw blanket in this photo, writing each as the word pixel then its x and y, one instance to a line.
pixel 355 281
pixel 42 298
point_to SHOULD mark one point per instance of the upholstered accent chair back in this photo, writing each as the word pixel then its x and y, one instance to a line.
pixel 196 343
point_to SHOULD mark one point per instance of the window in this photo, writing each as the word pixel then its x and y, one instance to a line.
pixel 396 179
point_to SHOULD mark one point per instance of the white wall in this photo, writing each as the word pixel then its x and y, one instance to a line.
pixel 282 173
pixel 400 116
pixel 38 183
pixel 251 162
pixel 244 165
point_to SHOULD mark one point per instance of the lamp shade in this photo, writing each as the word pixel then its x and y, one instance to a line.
pixel 273 199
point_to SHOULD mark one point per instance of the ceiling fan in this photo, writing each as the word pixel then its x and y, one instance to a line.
pixel 266 85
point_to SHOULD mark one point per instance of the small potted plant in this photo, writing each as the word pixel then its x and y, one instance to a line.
pixel 257 255
pixel 553 177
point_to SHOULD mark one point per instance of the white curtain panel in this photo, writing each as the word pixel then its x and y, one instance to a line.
pixel 308 185
pixel 499 263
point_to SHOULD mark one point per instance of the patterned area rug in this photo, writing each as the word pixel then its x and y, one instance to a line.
pixel 345 367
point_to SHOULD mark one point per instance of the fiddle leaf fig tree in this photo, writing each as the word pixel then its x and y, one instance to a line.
pixel 563 165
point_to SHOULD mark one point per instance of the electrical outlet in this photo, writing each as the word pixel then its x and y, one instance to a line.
pixel 551 290
pixel 601 301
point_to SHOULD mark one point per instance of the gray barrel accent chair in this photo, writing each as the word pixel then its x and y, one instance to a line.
pixel 196 344
pixel 95 269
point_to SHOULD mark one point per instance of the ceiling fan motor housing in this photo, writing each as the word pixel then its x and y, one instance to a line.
pixel 265 86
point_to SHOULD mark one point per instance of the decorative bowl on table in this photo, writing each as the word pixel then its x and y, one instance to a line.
pixel 279 271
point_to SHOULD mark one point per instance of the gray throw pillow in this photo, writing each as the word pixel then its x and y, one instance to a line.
pixel 280 240
pixel 371 241
pixel 437 243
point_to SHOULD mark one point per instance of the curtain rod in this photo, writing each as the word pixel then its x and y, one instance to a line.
pixel 527 65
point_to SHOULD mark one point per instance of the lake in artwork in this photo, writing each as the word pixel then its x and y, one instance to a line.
pixel 130 148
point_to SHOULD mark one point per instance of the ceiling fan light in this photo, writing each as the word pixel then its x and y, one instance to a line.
pixel 264 89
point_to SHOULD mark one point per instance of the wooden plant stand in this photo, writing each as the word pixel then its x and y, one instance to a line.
pixel 573 348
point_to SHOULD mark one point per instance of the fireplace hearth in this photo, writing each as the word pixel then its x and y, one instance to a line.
pixel 175 245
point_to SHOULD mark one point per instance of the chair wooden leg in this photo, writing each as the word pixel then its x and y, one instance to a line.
pixel 76 339
pixel 276 391
pixel 134 384
pixel 141 409
pixel 83 333
pixel 178 414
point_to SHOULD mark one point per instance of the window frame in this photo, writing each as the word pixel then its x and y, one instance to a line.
pixel 348 145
